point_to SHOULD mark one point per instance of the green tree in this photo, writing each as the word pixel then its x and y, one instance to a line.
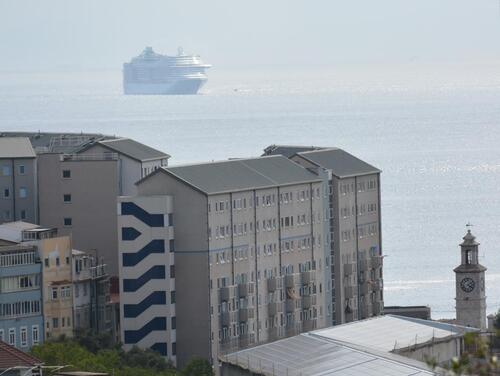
pixel 198 367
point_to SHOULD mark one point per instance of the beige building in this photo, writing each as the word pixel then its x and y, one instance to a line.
pixel 354 225
pixel 252 232
pixel 18 185
pixel 79 187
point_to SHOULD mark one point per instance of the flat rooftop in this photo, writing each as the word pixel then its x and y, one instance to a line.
pixel 16 147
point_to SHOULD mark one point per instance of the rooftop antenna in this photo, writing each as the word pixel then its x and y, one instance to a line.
pixel 469 225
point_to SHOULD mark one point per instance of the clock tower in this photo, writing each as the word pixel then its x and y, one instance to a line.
pixel 470 294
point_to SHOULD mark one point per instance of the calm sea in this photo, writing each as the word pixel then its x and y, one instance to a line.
pixel 434 130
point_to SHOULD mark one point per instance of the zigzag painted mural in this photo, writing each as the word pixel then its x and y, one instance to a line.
pixel 145 228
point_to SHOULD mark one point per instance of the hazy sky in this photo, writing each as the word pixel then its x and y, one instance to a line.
pixel 90 34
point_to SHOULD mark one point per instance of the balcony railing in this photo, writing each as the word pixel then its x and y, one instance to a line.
pixel 308 277
pixel 275 308
pixel 226 293
pixel 348 269
pixel 274 283
pixel 244 289
pixel 308 301
pixel 245 314
pixel 291 280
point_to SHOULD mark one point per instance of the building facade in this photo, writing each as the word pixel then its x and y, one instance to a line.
pixel 91 294
pixel 252 232
pixel 147 274
pixel 355 239
pixel 18 180
pixel 21 315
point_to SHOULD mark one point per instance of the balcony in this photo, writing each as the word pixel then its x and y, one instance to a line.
pixel 308 325
pixel 226 293
pixel 308 277
pixel 363 265
pixel 290 305
pixel 376 262
pixel 245 289
pixel 245 314
pixel 275 308
pixel 350 292
pixel 274 284
pixel 364 289
pixel 291 280
pixel 348 269
pixel 227 318
pixel 308 301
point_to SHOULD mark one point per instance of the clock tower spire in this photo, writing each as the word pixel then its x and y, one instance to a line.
pixel 470 293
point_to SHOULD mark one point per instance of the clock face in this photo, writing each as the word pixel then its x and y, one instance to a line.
pixel 467 284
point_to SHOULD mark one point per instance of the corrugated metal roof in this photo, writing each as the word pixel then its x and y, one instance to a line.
pixel 390 332
pixel 341 163
pixel 134 149
pixel 311 355
pixel 16 147
pixel 242 174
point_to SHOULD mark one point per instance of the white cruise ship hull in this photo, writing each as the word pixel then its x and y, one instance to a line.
pixel 151 73
pixel 180 87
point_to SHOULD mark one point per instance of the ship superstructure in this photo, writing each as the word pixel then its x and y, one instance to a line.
pixel 153 73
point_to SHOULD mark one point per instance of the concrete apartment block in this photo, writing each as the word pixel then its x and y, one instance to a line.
pixel 355 229
pixel 18 184
pixel 21 319
pixel 147 273
pixel 78 197
pixel 250 255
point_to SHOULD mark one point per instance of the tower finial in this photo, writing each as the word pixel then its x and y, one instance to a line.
pixel 469 226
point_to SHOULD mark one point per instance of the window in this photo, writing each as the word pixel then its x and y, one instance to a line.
pixel 67 197
pixel 68 222
pixel 55 322
pixel 46 262
pixel 65 292
pixel 172 297
pixel 66 174
pixel 6 193
pixel 24 336
pixel 12 336
pixel 58 261
pixel 5 170
pixel 67 260
pixel 172 245
pixel 23 214
pixel 21 170
pixel 174 324
pixel 23 192
pixel 54 293
pixel 174 348
pixel 172 271
pixel 35 338
pixel 170 219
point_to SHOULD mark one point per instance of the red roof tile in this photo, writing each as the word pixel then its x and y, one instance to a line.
pixel 12 357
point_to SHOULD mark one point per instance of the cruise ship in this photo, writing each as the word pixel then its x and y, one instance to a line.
pixel 156 74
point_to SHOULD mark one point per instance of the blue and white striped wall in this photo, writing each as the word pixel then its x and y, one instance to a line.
pixel 146 245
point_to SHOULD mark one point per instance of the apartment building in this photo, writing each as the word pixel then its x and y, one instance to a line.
pixel 355 228
pixel 72 179
pixel 18 195
pixel 147 274
pixel 92 310
pixel 21 316
pixel 251 262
